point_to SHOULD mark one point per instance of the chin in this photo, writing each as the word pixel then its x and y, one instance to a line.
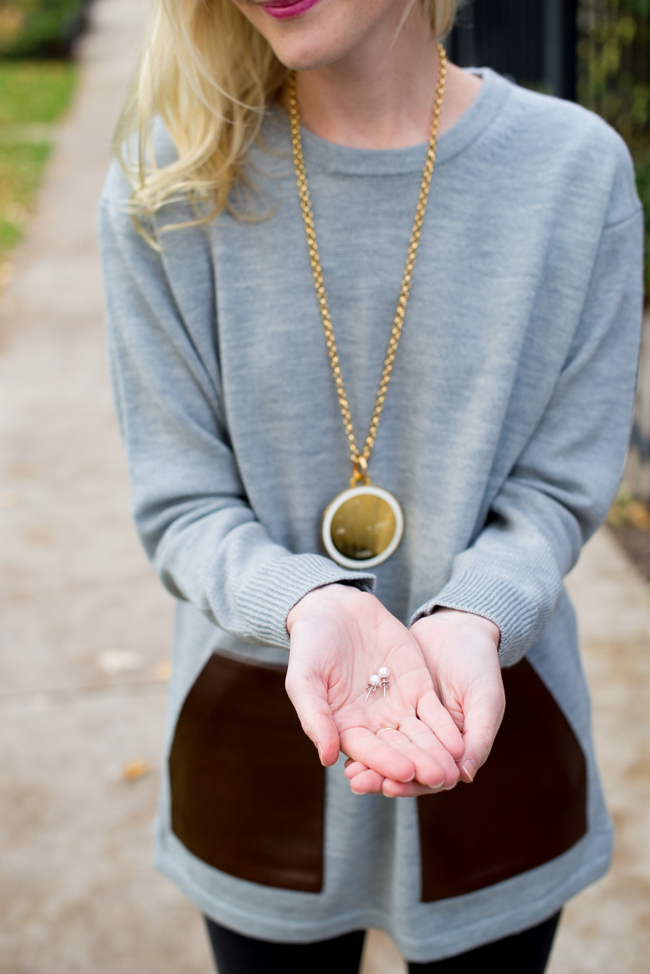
pixel 301 55
pixel 306 44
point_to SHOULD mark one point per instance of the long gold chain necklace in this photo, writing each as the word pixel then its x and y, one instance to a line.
pixel 363 525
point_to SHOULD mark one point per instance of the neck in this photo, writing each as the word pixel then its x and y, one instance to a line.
pixel 380 96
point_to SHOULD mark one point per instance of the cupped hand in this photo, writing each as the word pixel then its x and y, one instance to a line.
pixel 339 637
pixel 461 653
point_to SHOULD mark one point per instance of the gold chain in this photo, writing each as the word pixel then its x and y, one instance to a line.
pixel 360 459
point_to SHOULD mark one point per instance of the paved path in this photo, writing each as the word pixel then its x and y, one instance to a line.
pixel 79 603
pixel 85 628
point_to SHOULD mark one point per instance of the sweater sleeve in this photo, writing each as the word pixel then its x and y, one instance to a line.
pixel 190 506
pixel 561 487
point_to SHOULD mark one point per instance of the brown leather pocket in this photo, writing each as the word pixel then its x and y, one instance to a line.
pixel 527 805
pixel 247 788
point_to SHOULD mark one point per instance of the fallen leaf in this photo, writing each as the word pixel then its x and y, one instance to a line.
pixel 638 515
pixel 162 671
pixel 135 770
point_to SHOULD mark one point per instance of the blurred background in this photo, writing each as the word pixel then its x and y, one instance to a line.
pixel 84 625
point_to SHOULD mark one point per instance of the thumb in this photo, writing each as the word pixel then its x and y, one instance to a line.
pixel 482 719
pixel 308 694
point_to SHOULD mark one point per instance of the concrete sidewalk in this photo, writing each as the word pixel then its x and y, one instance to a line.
pixel 85 628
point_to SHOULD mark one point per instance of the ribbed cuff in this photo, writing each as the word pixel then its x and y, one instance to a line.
pixel 518 618
pixel 266 604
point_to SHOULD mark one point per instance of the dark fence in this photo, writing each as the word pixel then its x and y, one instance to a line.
pixel 531 41
pixel 596 52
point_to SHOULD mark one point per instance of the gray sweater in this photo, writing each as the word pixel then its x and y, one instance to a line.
pixel 503 437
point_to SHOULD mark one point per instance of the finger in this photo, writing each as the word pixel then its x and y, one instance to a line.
pixel 428 771
pixel 431 711
pixel 422 737
pixel 483 716
pixel 411 789
pixel 361 744
pixel 309 698
pixel 367 783
pixel 353 768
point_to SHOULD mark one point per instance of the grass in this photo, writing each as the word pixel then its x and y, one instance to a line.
pixel 35 91
pixel 33 95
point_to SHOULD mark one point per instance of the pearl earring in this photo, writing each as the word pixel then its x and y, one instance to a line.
pixel 378 680
pixel 384 673
pixel 373 683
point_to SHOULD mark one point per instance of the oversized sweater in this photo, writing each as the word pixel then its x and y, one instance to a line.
pixel 503 437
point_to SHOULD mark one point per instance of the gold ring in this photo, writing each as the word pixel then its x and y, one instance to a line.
pixel 383 729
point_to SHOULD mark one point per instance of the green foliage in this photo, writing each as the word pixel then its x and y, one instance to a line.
pixel 643 185
pixel 21 167
pixel 614 79
pixel 33 95
pixel 614 68
pixel 35 91
pixel 39 28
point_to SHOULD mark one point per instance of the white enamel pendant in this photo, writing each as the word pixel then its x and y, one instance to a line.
pixel 362 527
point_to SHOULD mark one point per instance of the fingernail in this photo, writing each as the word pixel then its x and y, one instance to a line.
pixel 320 753
pixel 470 769
pixel 405 781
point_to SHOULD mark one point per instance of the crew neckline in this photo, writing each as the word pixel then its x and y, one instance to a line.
pixel 335 158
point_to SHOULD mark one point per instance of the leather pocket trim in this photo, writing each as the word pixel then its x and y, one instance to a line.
pixel 247 787
pixel 527 806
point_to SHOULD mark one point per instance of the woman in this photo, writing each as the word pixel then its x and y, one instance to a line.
pixel 279 159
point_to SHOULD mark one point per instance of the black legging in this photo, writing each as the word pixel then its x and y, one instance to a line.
pixel 521 953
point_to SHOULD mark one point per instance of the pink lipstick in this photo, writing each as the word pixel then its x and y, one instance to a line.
pixel 283 9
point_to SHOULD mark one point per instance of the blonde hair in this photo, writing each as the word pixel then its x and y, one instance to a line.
pixel 208 75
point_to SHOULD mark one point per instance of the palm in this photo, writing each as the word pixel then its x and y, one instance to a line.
pixel 337 642
pixel 460 650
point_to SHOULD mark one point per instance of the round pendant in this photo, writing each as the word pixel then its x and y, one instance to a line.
pixel 362 527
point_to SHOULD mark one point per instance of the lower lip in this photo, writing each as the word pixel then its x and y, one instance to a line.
pixel 283 11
